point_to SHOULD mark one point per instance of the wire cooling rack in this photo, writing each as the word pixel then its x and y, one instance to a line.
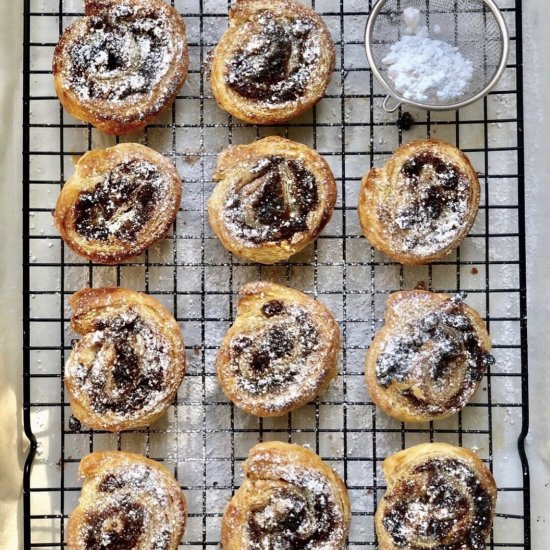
pixel 203 438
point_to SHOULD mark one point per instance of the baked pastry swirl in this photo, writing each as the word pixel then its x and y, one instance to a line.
pixel 428 359
pixel 121 64
pixel 273 63
pixel 289 500
pixel 119 201
pixel 126 369
pixel 127 501
pixel 280 353
pixel 273 198
pixel 421 205
pixel 439 497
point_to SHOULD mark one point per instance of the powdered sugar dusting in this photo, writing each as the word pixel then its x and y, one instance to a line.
pixel 426 207
pixel 120 55
pixel 426 70
pixel 276 364
pixel 439 503
pixel 123 202
pixel 277 62
pixel 298 511
pixel 433 362
pixel 121 369
pixel 130 508
pixel 273 202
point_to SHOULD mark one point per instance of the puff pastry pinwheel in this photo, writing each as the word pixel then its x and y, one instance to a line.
pixel 439 497
pixel 289 500
pixel 119 201
pixel 125 370
pixel 127 502
pixel 428 359
pixel 273 197
pixel 273 63
pixel 421 205
pixel 280 353
pixel 121 64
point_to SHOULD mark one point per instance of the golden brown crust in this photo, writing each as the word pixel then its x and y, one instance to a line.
pixel 273 63
pixel 421 205
pixel 438 496
pixel 280 353
pixel 272 199
pixel 125 371
pixel 289 496
pixel 428 359
pixel 118 202
pixel 128 500
pixel 121 64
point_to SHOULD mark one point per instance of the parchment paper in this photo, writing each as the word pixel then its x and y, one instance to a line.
pixel 12 444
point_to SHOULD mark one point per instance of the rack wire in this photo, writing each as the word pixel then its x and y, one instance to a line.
pixel 203 438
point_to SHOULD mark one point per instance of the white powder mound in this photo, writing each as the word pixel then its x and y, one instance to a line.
pixel 411 16
pixel 423 69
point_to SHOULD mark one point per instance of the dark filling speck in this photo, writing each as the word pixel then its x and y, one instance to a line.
pixel 121 203
pixel 74 424
pixel 273 308
pixel 276 203
pixel 405 121
pixel 276 63
pixel 240 343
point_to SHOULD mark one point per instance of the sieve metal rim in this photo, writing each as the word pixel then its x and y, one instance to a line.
pixel 450 106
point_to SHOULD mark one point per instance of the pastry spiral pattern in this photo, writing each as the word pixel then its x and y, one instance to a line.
pixel 126 369
pixel 421 205
pixel 428 360
pixel 273 197
pixel 274 62
pixel 119 201
pixel 122 63
pixel 289 500
pixel 280 353
pixel 127 502
pixel 438 497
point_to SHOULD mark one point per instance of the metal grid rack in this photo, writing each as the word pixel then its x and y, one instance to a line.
pixel 203 437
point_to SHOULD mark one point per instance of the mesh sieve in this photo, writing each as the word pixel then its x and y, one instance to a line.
pixel 476 27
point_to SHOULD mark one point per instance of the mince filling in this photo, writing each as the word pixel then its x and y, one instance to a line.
pixel 293 518
pixel 128 368
pixel 121 203
pixel 441 503
pixel 276 62
pixel 274 358
pixel 274 203
pixel 120 56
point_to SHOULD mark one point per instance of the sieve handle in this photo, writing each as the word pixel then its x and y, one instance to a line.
pixel 389 109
